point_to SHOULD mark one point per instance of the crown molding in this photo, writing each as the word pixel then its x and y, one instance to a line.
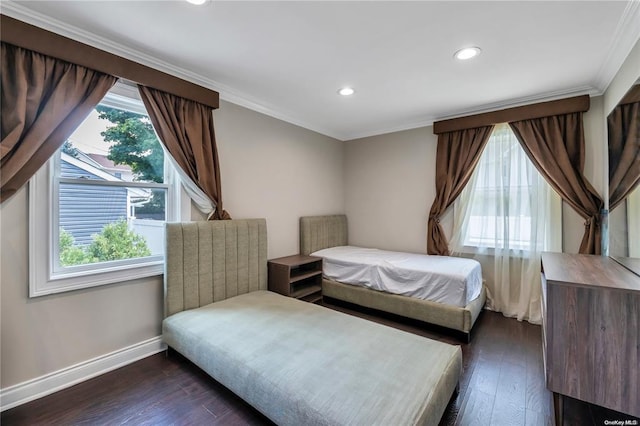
pixel 245 101
pixel 527 100
pixel 496 106
pixel 626 35
pixel 624 39
pixel 23 13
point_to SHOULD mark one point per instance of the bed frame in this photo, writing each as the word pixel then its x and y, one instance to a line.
pixel 211 261
pixel 280 354
pixel 320 232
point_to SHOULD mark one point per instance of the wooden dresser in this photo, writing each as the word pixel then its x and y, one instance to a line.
pixel 591 331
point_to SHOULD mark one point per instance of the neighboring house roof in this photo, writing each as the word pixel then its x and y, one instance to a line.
pixel 99 173
pixel 93 169
pixel 104 162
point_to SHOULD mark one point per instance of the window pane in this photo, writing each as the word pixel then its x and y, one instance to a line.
pixel 95 223
pixel 148 220
pixel 110 221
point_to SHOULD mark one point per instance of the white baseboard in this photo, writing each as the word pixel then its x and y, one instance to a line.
pixel 36 388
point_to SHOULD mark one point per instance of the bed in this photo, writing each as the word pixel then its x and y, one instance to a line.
pixel 458 312
pixel 295 362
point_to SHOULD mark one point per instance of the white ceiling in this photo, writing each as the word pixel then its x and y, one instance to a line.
pixel 288 59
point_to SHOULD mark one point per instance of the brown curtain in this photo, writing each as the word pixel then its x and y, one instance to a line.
pixel 43 101
pixel 457 155
pixel 186 129
pixel 624 152
pixel 555 145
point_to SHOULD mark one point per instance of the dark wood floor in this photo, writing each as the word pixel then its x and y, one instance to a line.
pixel 502 384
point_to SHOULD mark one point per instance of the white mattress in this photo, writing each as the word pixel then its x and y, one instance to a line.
pixel 443 279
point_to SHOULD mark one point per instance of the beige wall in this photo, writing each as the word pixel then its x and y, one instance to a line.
pixel 390 186
pixel 46 334
pixel 269 169
pixel 278 171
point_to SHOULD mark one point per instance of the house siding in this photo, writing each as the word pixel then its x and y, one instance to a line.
pixel 86 209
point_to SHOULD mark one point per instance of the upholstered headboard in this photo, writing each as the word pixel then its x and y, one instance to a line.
pixel 211 261
pixel 319 232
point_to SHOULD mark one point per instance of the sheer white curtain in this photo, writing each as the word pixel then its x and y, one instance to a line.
pixel 205 204
pixel 507 215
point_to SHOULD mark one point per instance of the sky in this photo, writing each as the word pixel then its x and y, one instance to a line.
pixel 87 136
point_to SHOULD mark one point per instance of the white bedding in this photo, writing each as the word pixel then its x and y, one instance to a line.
pixel 443 279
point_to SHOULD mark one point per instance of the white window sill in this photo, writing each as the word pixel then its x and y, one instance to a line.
pixel 40 285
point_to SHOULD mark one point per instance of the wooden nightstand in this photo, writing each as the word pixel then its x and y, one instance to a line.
pixel 297 276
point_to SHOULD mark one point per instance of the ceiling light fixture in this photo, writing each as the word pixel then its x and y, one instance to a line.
pixel 467 53
pixel 346 91
pixel 197 2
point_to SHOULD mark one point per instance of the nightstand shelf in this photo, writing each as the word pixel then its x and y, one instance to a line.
pixel 297 276
pixel 300 276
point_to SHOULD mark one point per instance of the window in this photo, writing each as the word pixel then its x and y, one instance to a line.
pixel 98 207
pixel 509 204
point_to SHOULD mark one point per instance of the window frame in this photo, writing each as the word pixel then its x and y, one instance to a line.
pixel 45 277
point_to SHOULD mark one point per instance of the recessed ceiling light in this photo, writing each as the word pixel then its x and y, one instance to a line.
pixel 197 2
pixel 467 53
pixel 346 91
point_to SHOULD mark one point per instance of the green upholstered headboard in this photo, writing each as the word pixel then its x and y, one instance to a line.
pixel 320 232
pixel 211 261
